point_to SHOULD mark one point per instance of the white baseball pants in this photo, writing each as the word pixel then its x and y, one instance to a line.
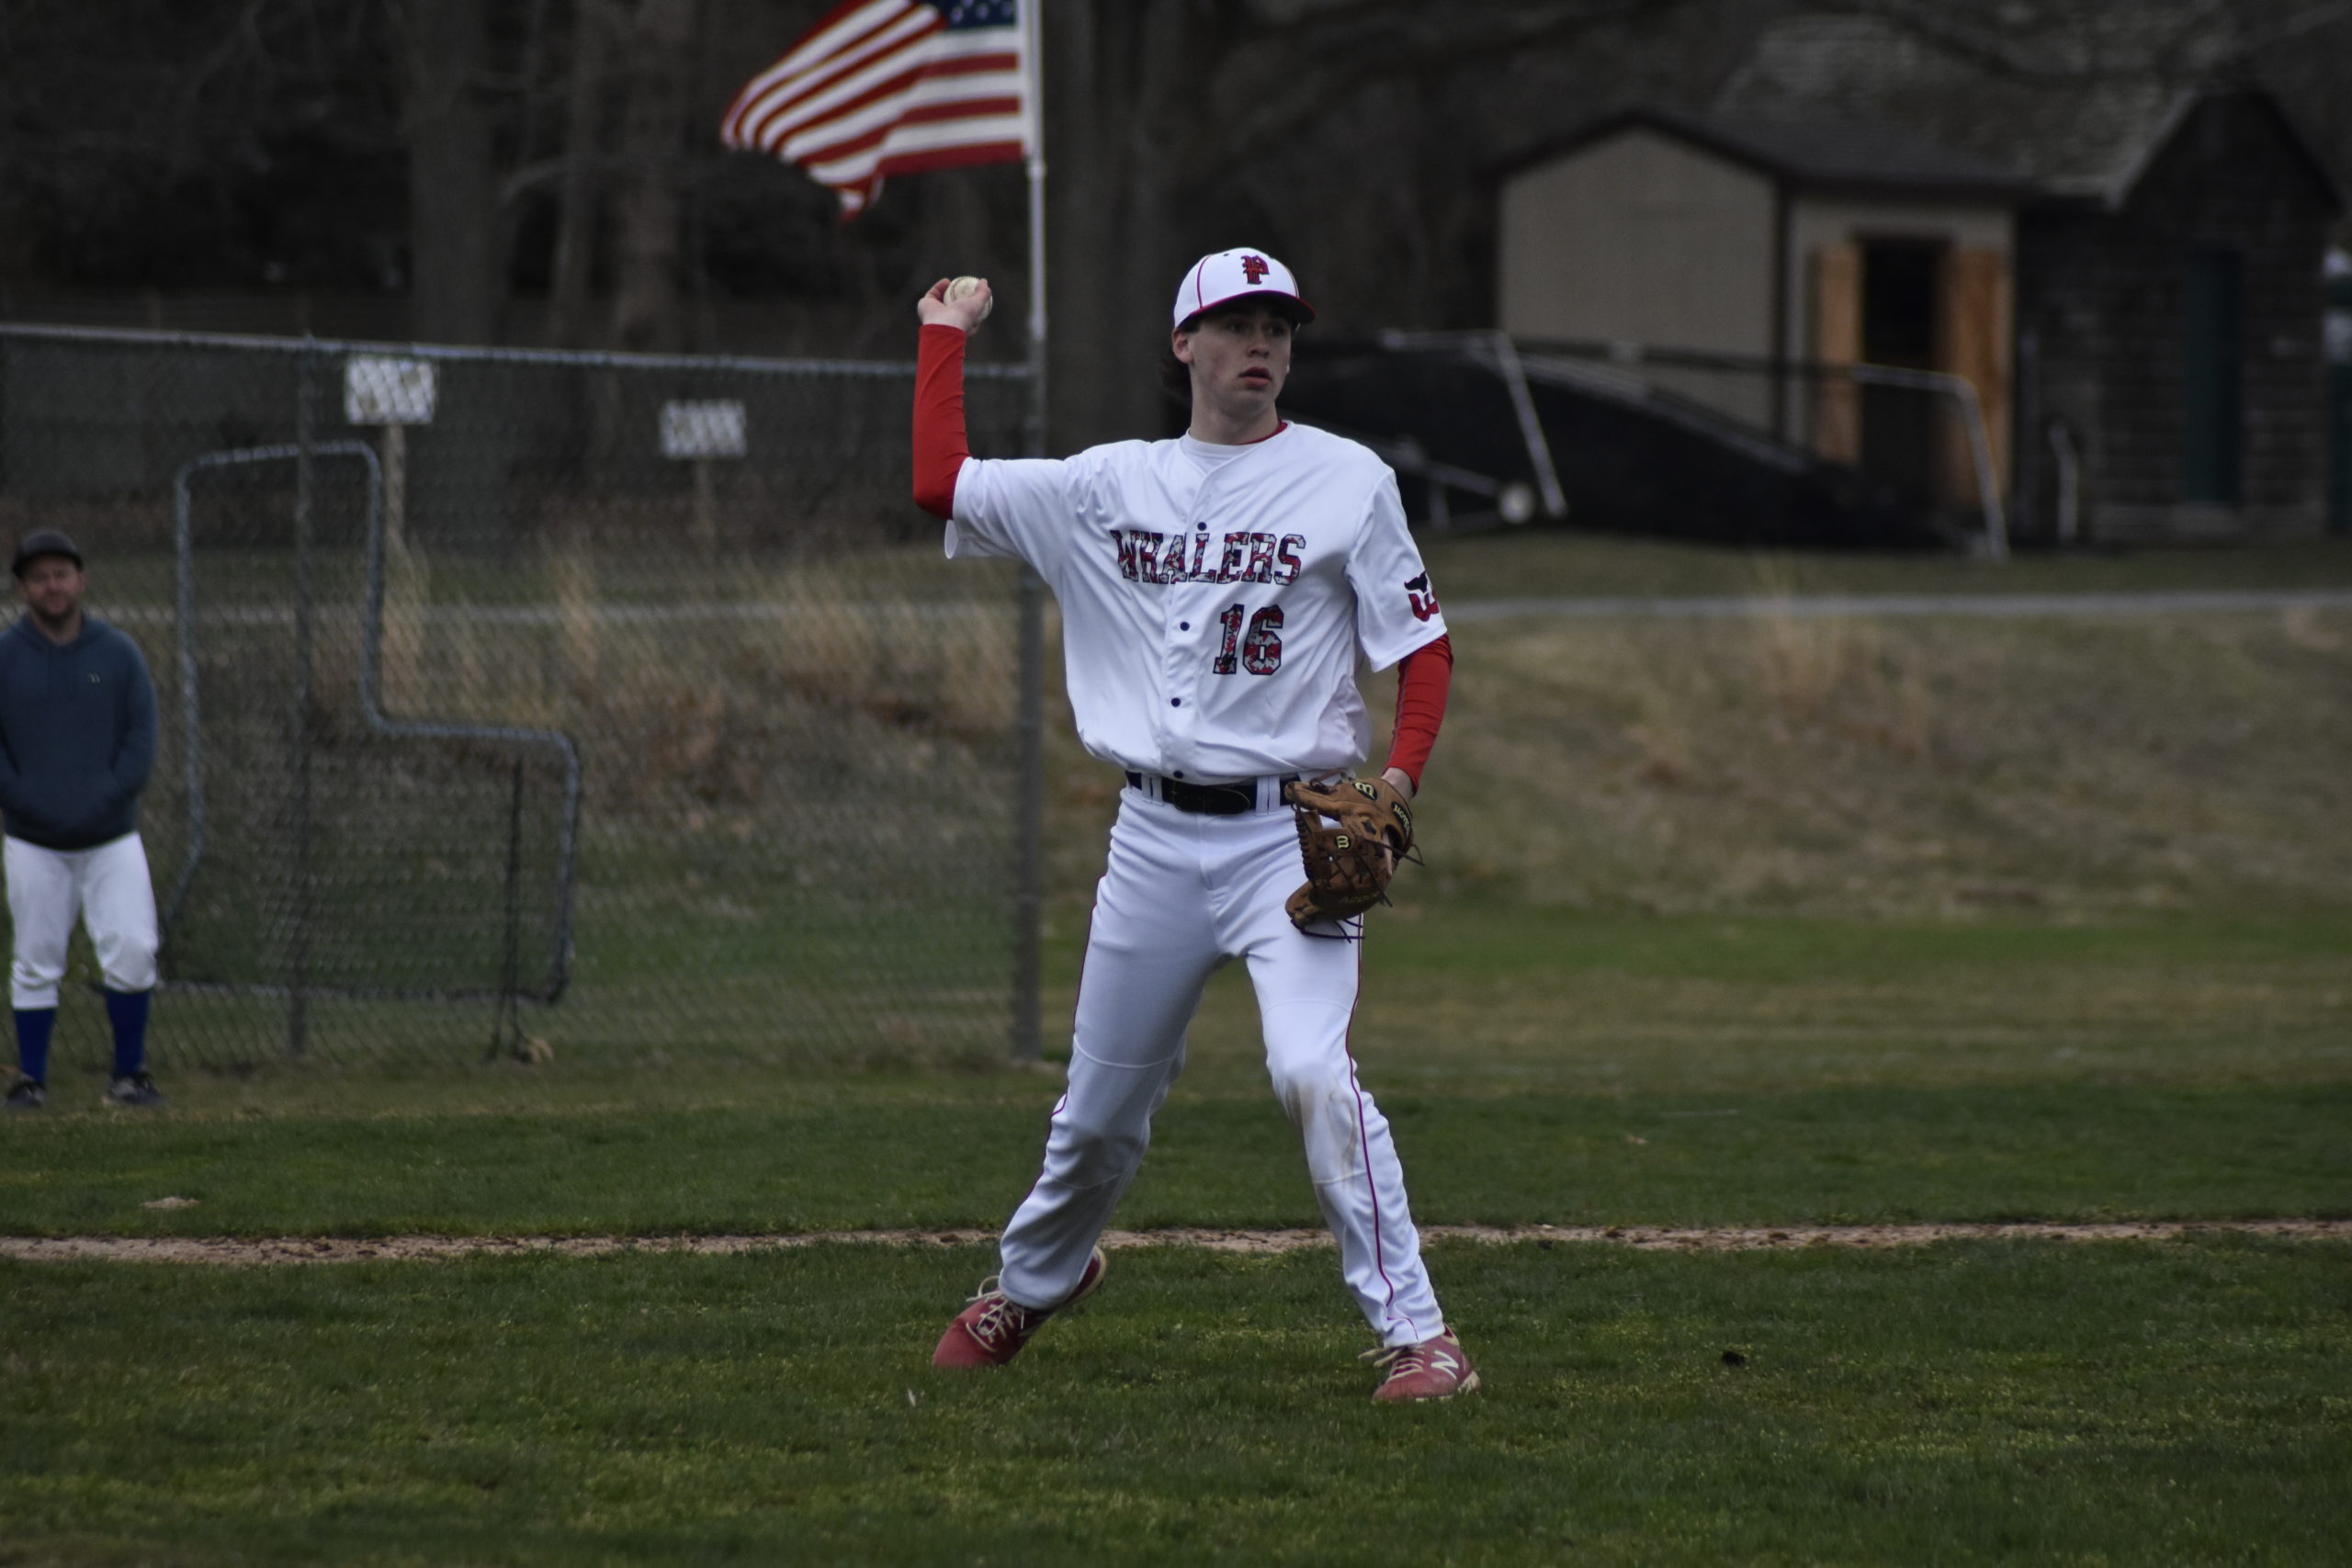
pixel 1183 894
pixel 107 887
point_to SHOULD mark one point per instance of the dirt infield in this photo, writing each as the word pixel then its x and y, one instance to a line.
pixel 237 1251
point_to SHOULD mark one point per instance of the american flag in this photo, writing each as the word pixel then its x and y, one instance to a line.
pixel 889 87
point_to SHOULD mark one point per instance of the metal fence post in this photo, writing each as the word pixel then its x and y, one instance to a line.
pixel 1029 723
pixel 1531 429
pixel 298 945
pixel 1029 827
pixel 506 1018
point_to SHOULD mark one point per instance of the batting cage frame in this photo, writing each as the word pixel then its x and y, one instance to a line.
pixel 611 692
pixel 296 987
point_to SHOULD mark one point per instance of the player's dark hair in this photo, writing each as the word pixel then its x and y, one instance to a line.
pixel 1175 376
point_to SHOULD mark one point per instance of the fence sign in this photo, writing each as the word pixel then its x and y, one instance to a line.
pixel 387 392
pixel 703 429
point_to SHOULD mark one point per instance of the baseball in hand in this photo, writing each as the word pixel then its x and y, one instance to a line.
pixel 963 289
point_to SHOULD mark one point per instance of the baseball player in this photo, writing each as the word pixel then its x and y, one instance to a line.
pixel 1216 591
pixel 77 741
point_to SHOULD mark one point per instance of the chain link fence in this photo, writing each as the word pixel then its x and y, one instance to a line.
pixel 517 700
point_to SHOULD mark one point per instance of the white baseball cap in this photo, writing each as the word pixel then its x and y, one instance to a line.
pixel 1237 275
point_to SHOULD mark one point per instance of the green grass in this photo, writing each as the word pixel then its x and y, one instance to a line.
pixel 2070 1152
pixel 1776 1072
pixel 2014 1403
pixel 2176 1402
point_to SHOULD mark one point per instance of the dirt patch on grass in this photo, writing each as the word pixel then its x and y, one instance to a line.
pixel 239 1251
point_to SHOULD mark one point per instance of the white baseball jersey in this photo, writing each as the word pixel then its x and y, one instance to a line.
pixel 1214 598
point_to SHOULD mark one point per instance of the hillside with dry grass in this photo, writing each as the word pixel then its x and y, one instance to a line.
pixel 2077 766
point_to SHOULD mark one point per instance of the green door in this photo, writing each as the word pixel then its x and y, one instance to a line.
pixel 2212 378
pixel 2339 394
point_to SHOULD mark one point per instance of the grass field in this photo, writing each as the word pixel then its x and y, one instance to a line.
pixel 2170 1401
pixel 1979 1404
pixel 1769 924
pixel 1775 1072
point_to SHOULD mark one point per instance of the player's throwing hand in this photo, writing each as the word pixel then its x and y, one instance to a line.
pixel 959 302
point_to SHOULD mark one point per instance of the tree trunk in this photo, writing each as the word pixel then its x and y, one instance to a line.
pixel 1120 76
pixel 455 262
pixel 648 212
pixel 577 191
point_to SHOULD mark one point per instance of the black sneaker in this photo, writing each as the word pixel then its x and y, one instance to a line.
pixel 28 1094
pixel 134 1089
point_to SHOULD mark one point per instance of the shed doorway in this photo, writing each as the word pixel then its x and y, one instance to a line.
pixel 1902 297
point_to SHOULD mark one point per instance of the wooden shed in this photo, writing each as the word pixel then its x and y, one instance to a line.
pixel 2167 265
pixel 2175 314
pixel 1781 241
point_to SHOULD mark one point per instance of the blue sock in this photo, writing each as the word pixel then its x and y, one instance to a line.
pixel 127 1011
pixel 33 1026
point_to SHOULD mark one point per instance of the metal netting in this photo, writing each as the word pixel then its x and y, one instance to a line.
pixel 622 703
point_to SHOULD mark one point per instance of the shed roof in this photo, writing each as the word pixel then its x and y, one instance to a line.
pixel 2086 127
pixel 1816 149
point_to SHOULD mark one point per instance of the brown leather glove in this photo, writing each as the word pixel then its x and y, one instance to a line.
pixel 1351 858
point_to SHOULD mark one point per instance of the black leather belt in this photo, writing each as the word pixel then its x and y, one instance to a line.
pixel 1206 800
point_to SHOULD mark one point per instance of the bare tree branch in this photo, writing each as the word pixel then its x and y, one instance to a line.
pixel 2197 40
pixel 2308 19
pixel 1314 65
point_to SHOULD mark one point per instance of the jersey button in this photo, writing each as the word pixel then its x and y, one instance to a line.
pixel 1183 626
pixel 1175 701
pixel 1178 773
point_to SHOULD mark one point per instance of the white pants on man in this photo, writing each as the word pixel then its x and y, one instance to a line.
pixel 1183 893
pixel 106 887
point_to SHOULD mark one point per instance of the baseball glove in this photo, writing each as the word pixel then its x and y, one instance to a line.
pixel 1348 865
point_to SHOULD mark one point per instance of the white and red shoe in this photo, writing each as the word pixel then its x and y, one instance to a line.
pixel 1435 1369
pixel 993 1328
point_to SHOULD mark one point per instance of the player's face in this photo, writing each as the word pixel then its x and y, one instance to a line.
pixel 1239 358
pixel 53 585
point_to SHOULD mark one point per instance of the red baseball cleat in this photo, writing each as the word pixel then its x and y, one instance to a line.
pixel 1435 1369
pixel 990 1331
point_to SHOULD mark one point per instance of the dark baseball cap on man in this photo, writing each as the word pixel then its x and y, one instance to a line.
pixel 43 542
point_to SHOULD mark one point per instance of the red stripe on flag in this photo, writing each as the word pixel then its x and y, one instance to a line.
pixel 797 99
pixel 925 113
pixel 760 92
pixel 972 64
pixel 949 158
pixel 961 109
pixel 894 86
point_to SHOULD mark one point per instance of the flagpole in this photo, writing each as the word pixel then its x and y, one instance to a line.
pixel 1029 810
pixel 1032 136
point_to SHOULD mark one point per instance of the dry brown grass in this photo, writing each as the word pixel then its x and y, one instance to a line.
pixel 1840 766
pixel 1848 766
pixel 845 675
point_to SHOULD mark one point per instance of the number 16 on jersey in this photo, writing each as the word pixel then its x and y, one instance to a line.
pixel 1259 647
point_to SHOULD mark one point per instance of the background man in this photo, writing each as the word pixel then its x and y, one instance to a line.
pixel 1217 591
pixel 77 742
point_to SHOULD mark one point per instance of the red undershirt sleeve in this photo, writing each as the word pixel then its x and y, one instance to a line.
pixel 1423 677
pixel 941 444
